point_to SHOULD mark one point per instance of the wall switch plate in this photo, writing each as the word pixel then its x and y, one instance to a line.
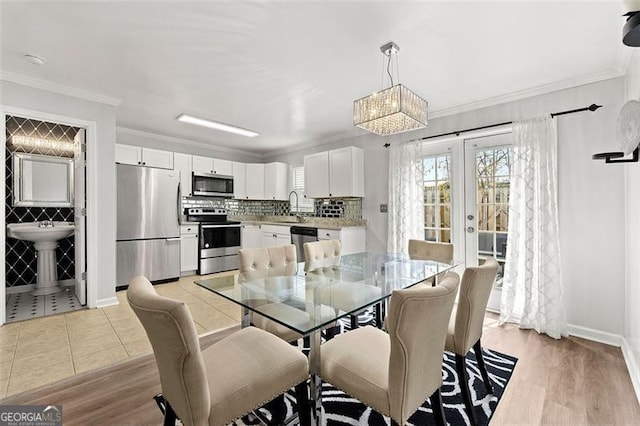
pixel 383 208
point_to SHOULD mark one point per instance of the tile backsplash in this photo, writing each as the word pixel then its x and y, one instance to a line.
pixel 20 257
pixel 345 208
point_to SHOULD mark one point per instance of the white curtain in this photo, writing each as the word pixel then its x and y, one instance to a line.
pixel 532 286
pixel 406 196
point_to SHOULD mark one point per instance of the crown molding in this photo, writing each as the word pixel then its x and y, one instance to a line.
pixel 527 93
pixel 181 141
pixel 58 88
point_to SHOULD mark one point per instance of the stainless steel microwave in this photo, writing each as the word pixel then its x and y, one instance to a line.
pixel 212 185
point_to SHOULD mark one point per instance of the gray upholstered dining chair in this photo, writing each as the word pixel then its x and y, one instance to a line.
pixel 223 382
pixel 321 259
pixel 395 373
pixel 465 325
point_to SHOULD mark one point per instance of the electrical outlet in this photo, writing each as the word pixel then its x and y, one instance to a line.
pixel 383 208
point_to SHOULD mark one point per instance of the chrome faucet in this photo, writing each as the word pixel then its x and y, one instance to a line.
pixel 298 217
pixel 45 224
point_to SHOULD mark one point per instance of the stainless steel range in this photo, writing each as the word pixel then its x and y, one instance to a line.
pixel 219 239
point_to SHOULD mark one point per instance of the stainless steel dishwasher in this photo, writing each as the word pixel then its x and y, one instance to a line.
pixel 301 235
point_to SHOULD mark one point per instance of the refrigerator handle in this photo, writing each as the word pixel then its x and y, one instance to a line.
pixel 179 205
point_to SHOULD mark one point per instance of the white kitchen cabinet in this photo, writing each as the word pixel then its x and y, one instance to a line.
pixel 316 175
pixel 188 249
pixel 352 238
pixel 275 181
pixel 212 165
pixel 254 181
pixel 138 156
pixel 183 164
pixel 239 180
pixel 275 235
pixel 251 236
pixel 127 154
pixel 335 173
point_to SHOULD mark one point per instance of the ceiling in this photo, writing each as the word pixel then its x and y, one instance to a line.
pixel 291 70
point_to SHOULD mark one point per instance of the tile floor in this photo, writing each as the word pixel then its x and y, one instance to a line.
pixel 22 306
pixel 44 350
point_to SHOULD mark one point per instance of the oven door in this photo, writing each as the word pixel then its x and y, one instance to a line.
pixel 212 185
pixel 219 240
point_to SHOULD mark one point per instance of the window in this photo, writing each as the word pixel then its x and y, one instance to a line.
pixel 437 198
pixel 297 184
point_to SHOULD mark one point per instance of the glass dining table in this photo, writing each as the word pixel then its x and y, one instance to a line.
pixel 308 298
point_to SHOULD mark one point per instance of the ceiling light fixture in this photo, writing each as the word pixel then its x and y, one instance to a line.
pixel 395 109
pixel 35 59
pixel 185 118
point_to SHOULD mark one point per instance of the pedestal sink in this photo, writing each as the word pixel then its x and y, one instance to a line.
pixel 44 236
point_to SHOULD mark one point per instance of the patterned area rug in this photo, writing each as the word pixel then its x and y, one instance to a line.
pixel 341 409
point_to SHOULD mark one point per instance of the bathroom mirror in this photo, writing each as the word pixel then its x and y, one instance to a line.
pixel 42 180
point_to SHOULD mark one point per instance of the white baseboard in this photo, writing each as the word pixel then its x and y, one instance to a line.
pixel 595 335
pixel 109 301
pixel 632 366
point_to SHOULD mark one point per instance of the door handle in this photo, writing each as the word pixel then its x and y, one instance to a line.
pixel 470 230
pixel 172 239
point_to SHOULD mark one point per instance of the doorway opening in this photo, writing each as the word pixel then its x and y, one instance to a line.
pixel 45 214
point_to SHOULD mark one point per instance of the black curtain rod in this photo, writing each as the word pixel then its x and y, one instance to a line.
pixel 591 107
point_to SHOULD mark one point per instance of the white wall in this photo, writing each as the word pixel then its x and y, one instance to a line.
pixel 20 96
pixel 631 342
pixel 591 194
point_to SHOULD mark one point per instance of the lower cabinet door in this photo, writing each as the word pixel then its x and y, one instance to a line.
pixel 188 253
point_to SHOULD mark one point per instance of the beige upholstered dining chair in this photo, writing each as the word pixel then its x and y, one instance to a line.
pixel 321 259
pixel 395 373
pixel 223 382
pixel 465 325
pixel 268 262
pixel 429 250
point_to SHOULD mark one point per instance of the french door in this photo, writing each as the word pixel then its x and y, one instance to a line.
pixel 466 199
pixel 487 173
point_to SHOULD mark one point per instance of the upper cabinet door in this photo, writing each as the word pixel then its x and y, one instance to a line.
pixel 157 158
pixel 223 167
pixel 202 164
pixel 127 154
pixel 316 175
pixel 275 181
pixel 255 181
pixel 346 172
pixel 239 180
pixel 183 164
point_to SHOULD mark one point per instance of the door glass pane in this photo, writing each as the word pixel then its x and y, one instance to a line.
pixel 493 170
pixel 437 197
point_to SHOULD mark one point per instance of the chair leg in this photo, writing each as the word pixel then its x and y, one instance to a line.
pixel 477 348
pixel 354 322
pixel 437 408
pixel 169 416
pixel 304 409
pixel 463 377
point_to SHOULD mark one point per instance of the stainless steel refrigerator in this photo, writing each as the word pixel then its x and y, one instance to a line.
pixel 148 236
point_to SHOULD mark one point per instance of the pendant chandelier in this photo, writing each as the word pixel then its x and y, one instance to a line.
pixel 393 110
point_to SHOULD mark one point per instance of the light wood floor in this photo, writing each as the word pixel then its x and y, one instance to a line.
pixel 570 381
